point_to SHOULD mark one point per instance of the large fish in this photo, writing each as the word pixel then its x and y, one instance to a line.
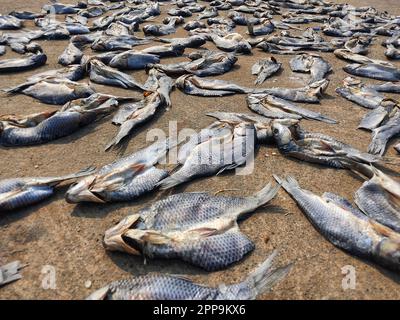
pixel 346 227
pixel 173 287
pixel 21 192
pixel 195 227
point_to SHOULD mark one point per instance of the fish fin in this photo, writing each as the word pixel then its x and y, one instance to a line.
pixel 385 231
pixel 266 194
pixel 288 184
pixel 81 173
pixel 263 278
pixel 170 182
pixel 205 232
pixel 218 251
pixel 377 145
pixel 99 294
pixel 155 237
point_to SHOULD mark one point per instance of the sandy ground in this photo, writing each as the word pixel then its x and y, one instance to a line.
pixel 68 237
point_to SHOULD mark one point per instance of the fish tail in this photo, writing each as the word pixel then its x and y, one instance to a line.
pixel 171 181
pixel 266 194
pixel 377 146
pixel 289 184
pixel 264 278
pixel 81 173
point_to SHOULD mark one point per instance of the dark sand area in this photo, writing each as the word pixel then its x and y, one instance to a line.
pixel 69 237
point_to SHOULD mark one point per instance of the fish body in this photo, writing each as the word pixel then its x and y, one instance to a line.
pixel 347 227
pixel 21 192
pixel 216 155
pixel 71 55
pixel 21 64
pixel 196 227
pixel 133 60
pixel 124 179
pixel 373 71
pixel 172 287
pixel 265 68
pixel 313 64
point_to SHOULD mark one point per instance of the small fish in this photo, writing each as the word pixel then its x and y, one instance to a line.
pixel 194 24
pixel 47 126
pixel 379 197
pixel 309 94
pixel 209 12
pixel 265 68
pixel 17 193
pixel 318 148
pixel 231 42
pixel 311 63
pixel 132 115
pixel 358 58
pixel 173 287
pixel 378 116
pixel 358 45
pixel 124 179
pixel 102 74
pixel 133 60
pixel 71 55
pixel 390 87
pixel 346 227
pixel 373 71
pixel 168 50
pixel 21 64
pixel 360 94
pixel 215 156
pixel 194 41
pixel 193 85
pixel 57 91
pixel 122 42
pixel 265 28
pixel 271 106
pixel 207 236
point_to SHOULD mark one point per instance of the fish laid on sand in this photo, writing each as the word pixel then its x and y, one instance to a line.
pixel 195 227
pixel 347 227
pixel 174 287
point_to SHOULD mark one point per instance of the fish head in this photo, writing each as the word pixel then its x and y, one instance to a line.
pixel 80 191
pixel 115 237
pixel 281 133
pixel 389 250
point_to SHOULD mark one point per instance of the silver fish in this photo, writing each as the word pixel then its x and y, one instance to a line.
pixel 216 155
pixel 16 193
pixel 360 94
pixel 124 179
pixel 274 107
pixel 379 197
pixel 133 60
pixel 265 68
pixel 57 91
pixel 207 235
pixel 346 227
pixel 311 63
pixel 358 58
pixel 309 94
pixel 10 272
pixel 193 85
pixel 173 287
pixel 231 42
pixel 373 71
pixel 71 55
pixel 392 53
pixel 100 73
pixel 20 64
